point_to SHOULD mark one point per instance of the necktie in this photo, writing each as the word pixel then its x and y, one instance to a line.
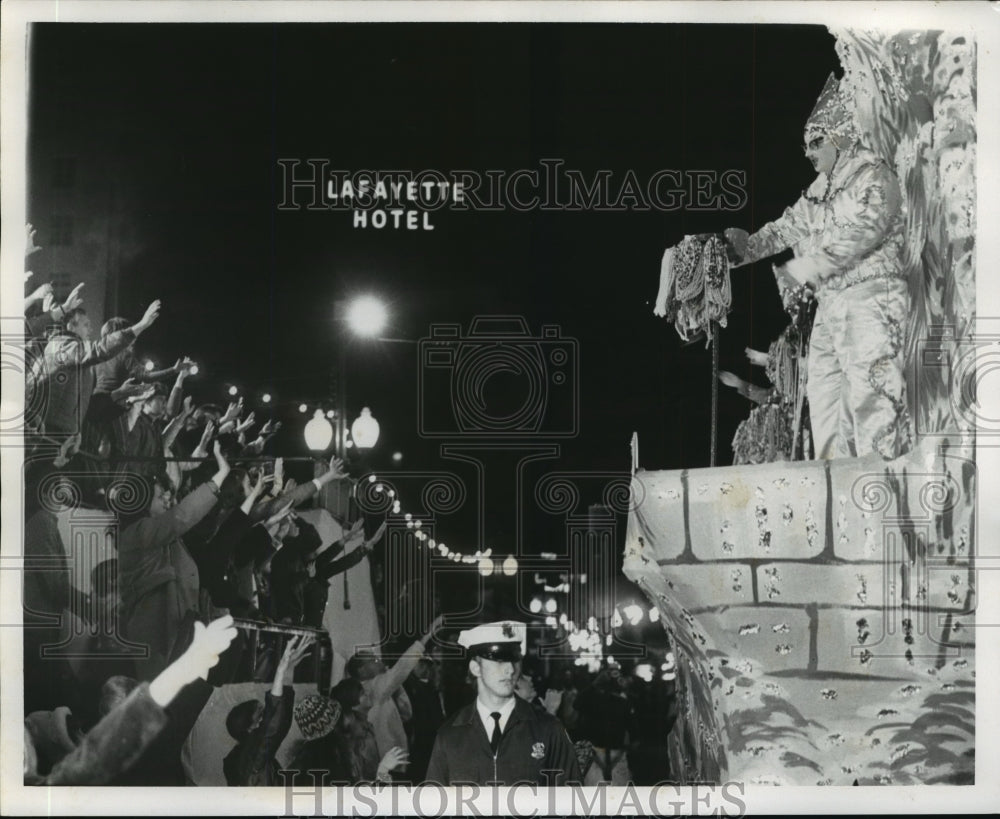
pixel 495 739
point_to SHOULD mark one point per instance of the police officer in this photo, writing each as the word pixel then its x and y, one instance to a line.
pixel 500 739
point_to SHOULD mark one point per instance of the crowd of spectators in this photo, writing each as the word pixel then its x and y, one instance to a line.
pixel 207 531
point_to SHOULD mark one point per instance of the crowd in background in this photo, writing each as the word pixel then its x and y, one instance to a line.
pixel 207 531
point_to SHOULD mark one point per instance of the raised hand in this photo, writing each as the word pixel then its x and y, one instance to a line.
pixel 756 357
pixel 206 436
pixel 152 314
pixel 730 380
pixel 295 651
pixel 208 643
pixel 144 394
pixel 245 424
pixel 232 412
pixel 432 629
pixel 68 449
pixel 279 474
pixel 356 532
pixel 29 245
pixel 203 653
pixel 373 541
pixel 270 427
pixel 74 299
pixel 254 491
pixel 183 366
pixel 128 389
pixel 394 759
pixel 272 523
pixel 337 467
pixel 39 294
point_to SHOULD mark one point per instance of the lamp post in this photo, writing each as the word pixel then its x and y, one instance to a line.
pixel 364 316
pixel 364 430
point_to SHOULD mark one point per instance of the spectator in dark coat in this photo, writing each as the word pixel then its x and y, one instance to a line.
pixel 428 715
pixel 260 728
pixel 358 747
pixel 159 579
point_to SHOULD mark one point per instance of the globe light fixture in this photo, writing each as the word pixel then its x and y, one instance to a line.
pixel 510 566
pixel 367 316
pixel 234 391
pixel 318 432
pixel 486 567
pixel 303 407
pixel 365 430
pixel 266 398
pixel 194 369
pixel 149 365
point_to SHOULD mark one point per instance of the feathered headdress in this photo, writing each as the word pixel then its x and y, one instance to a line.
pixel 831 117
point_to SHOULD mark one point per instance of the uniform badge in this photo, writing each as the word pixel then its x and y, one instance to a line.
pixel 538 750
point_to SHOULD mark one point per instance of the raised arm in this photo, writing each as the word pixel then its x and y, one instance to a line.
pixel 302 493
pixel 183 369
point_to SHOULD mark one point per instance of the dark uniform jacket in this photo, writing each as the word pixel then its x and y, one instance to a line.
pixel 532 744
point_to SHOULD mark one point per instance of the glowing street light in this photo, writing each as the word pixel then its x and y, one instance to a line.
pixel 303 407
pixel 318 432
pixel 266 398
pixel 149 365
pixel 234 391
pixel 367 316
pixel 364 430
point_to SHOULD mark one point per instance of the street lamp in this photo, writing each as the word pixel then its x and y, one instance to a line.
pixel 367 316
pixel 365 430
pixel 318 432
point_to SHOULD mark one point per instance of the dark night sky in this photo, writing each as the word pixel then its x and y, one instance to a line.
pixel 193 117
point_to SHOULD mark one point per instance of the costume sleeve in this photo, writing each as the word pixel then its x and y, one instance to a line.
pixel 863 214
pixel 114 744
pixel 437 768
pixel 787 230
